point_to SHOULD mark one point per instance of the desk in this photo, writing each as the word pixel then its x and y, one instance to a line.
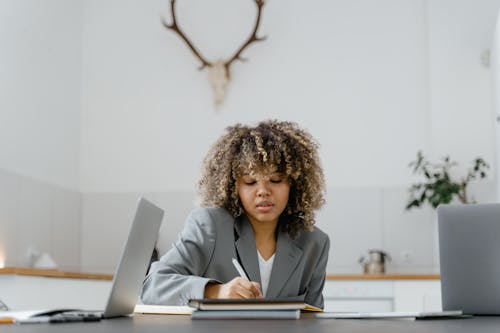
pixel 174 324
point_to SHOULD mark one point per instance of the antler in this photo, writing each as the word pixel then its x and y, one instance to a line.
pixel 175 28
pixel 218 70
pixel 251 39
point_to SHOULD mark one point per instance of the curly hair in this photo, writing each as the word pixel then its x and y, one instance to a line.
pixel 270 145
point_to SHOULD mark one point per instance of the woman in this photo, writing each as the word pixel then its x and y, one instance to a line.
pixel 259 189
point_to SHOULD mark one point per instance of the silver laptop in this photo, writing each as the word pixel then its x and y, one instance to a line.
pixel 469 247
pixel 133 265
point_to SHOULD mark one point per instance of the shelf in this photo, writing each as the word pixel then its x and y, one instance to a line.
pixel 382 277
pixel 97 276
pixel 55 273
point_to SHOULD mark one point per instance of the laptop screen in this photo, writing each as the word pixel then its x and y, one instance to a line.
pixel 469 247
pixel 135 259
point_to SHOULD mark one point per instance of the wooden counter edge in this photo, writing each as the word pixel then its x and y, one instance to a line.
pixel 330 277
pixel 97 276
pixel 54 273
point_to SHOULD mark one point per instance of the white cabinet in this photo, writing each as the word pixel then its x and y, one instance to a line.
pixel 31 292
pixel 417 295
pixel 363 296
pixel 382 295
pixel 20 292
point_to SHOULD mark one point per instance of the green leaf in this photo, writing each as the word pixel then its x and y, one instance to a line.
pixel 440 187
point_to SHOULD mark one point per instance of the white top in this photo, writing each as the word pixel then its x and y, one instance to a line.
pixel 265 268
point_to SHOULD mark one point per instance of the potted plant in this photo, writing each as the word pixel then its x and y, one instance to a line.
pixel 438 187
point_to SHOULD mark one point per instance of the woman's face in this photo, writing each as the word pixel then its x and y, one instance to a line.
pixel 264 196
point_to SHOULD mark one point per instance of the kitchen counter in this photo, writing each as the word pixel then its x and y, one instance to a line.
pixel 56 273
pixel 30 288
pixel 390 276
pixel 96 276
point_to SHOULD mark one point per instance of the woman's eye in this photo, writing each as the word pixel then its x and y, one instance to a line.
pixel 275 180
pixel 249 182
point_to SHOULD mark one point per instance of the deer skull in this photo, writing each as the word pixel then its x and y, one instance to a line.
pixel 219 79
pixel 219 71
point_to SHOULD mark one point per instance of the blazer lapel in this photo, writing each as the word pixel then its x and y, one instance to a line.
pixel 246 249
pixel 286 259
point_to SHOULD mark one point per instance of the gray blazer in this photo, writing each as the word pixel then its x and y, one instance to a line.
pixel 212 237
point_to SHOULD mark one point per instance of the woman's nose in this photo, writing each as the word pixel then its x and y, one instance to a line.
pixel 263 189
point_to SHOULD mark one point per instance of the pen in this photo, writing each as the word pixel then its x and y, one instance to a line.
pixel 240 269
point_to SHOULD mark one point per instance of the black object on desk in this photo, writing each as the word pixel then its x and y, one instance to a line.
pixel 62 317
pixel 70 317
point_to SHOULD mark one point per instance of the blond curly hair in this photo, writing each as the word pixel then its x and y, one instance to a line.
pixel 272 145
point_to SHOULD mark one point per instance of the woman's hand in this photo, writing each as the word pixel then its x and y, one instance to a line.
pixel 236 288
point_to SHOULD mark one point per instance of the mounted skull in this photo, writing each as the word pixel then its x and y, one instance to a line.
pixel 219 71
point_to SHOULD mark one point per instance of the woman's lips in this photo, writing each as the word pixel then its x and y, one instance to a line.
pixel 265 206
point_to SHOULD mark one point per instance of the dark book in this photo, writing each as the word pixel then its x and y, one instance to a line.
pixel 251 304
pixel 246 314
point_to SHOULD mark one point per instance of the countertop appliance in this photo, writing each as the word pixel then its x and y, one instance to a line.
pixel 374 263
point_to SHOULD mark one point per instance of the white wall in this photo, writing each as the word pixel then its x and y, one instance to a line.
pixel 353 72
pixel 462 119
pixel 373 81
pixel 40 106
pixel 40 83
pixel 102 99
pixel 495 66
